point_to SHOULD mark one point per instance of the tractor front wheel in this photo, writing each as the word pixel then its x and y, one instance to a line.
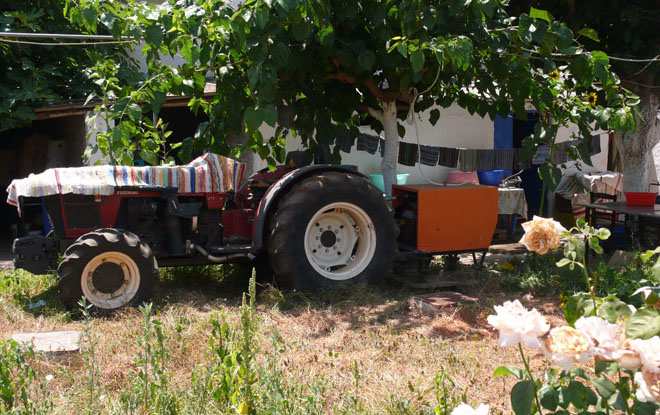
pixel 111 268
pixel 329 229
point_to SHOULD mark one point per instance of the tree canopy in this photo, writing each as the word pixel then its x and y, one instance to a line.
pixel 345 62
pixel 32 72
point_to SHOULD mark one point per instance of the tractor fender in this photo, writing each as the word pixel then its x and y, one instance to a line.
pixel 268 204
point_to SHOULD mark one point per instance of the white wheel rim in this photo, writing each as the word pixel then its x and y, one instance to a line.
pixel 340 241
pixel 120 296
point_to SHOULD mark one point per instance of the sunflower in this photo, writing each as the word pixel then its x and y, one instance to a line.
pixel 592 98
pixel 554 75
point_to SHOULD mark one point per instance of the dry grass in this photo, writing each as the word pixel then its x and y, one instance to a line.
pixel 397 352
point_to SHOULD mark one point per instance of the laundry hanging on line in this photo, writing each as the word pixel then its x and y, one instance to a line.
pixel 368 143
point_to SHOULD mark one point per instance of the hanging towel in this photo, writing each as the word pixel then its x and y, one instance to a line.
pixel 485 160
pixel 368 143
pixel 503 158
pixel 559 156
pixel 428 155
pixel 448 157
pixel 343 139
pixel 468 159
pixel 596 145
pixel 408 153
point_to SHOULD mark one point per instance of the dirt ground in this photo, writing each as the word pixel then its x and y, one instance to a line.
pixel 398 352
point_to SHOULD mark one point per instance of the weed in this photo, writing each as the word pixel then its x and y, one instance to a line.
pixel 89 342
pixel 151 392
pixel 21 392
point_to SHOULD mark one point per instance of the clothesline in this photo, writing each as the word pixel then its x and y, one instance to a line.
pixel 465 159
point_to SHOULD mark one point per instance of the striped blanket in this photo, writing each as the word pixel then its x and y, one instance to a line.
pixel 207 173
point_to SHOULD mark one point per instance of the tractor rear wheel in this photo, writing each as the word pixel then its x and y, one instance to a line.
pixel 331 228
pixel 111 268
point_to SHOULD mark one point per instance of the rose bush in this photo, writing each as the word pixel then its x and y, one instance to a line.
pixel 621 341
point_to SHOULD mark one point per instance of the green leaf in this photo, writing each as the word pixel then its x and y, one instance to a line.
pixel 434 116
pixel 590 33
pixel 149 156
pixel 134 112
pixel 618 401
pixel 367 59
pixel 580 305
pixel 563 262
pixel 253 118
pixel 604 387
pixel 270 115
pixel 508 370
pixel 645 408
pixel 157 101
pixel 417 60
pixel 522 396
pixel 549 398
pixel 551 175
pixel 575 393
pixel 541 14
pixel 608 368
pixel 280 53
pixel 643 324
pixel 612 309
pixel 185 47
pixel 403 49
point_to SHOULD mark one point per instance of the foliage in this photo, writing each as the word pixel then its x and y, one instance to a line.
pixel 336 63
pixel 33 75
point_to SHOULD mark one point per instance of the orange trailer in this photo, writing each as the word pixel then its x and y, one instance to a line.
pixel 445 219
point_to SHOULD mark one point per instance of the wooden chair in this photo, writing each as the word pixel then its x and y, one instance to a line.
pixel 603 218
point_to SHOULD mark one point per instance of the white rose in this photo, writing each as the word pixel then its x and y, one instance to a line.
pixel 517 324
pixel 465 409
pixel 648 386
pixel 649 353
pixel 567 346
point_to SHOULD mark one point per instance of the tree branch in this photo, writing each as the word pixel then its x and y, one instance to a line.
pixel 377 114
pixel 380 94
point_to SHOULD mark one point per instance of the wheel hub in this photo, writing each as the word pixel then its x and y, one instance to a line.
pixel 335 241
pixel 108 277
pixel 110 280
pixel 328 239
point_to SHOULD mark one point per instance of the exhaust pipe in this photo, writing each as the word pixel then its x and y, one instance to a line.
pixel 218 259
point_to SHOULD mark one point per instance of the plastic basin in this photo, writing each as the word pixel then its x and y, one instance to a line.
pixel 377 180
pixel 493 177
pixel 640 198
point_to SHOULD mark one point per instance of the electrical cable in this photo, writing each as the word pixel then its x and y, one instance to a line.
pixel 411 120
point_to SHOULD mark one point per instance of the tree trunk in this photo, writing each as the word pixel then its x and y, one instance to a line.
pixel 391 154
pixel 635 147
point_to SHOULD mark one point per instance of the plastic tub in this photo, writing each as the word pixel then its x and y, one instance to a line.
pixel 640 198
pixel 377 180
pixel 458 177
pixel 493 177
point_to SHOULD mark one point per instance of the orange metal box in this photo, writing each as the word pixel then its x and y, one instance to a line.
pixel 447 218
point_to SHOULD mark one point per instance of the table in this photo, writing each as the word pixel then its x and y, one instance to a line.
pixel 511 201
pixel 634 214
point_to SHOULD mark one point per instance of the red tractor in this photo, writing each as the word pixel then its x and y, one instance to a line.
pixel 315 225
pixel 113 226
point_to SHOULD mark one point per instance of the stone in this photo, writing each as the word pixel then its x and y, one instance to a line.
pixel 620 258
pixel 54 341
pixel 435 302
